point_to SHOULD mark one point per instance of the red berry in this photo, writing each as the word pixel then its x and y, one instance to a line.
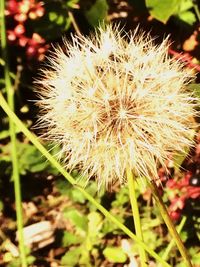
pixel 23 40
pixel 19 30
pixel 31 51
pixel 20 17
pixel 175 215
pixel 11 35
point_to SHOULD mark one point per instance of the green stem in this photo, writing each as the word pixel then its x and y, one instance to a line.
pixel 75 25
pixel 71 180
pixel 196 9
pixel 16 177
pixel 171 244
pixel 169 223
pixel 136 214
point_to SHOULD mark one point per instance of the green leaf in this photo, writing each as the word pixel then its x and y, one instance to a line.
pixel 65 189
pixel 97 13
pixel 187 16
pixel 115 255
pixel 94 224
pixel 52 16
pixel 162 10
pixel 76 218
pixel 72 3
pixel 185 5
pixel 121 198
pixel 69 239
pixel 29 158
pixel 71 258
pixel 4 134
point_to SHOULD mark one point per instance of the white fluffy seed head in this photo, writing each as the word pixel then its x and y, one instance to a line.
pixel 115 102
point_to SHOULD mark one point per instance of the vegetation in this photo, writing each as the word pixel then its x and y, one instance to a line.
pixel 47 216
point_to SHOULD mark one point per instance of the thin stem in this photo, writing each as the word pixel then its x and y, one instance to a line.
pixel 16 177
pixel 172 242
pixel 169 223
pixel 75 25
pixel 136 214
pixel 71 180
pixel 196 9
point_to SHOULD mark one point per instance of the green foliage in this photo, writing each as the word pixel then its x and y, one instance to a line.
pixel 56 19
pixel 76 218
pixel 29 158
pixel 163 10
pixel 69 239
pixel 114 254
pixel 97 13
pixel 71 258
pixel 186 12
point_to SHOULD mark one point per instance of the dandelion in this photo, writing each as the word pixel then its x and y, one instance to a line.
pixel 115 102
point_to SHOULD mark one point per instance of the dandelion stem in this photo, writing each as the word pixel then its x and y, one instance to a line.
pixel 70 179
pixel 169 223
pixel 16 176
pixel 136 215
pixel 171 244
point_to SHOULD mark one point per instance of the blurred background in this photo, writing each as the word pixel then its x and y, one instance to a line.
pixel 61 227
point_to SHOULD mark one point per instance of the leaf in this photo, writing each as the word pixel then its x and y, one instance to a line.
pixel 115 255
pixel 185 5
pixel 76 218
pixel 55 20
pixel 66 190
pixel 187 16
pixel 29 158
pixel 97 13
pixel 4 134
pixel 52 16
pixel 162 10
pixel 94 224
pixel 72 3
pixel 71 258
pixel 69 239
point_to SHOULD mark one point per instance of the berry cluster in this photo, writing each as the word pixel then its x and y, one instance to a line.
pixel 179 191
pixel 19 12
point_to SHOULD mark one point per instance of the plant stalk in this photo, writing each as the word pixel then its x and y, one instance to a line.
pixel 71 180
pixel 169 223
pixel 172 242
pixel 136 215
pixel 15 171
pixel 196 9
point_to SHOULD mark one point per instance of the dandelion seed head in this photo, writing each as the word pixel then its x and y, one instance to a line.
pixel 114 102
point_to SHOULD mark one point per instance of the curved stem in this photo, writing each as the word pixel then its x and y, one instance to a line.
pixel 15 172
pixel 71 180
pixel 136 214
pixel 171 244
pixel 169 223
